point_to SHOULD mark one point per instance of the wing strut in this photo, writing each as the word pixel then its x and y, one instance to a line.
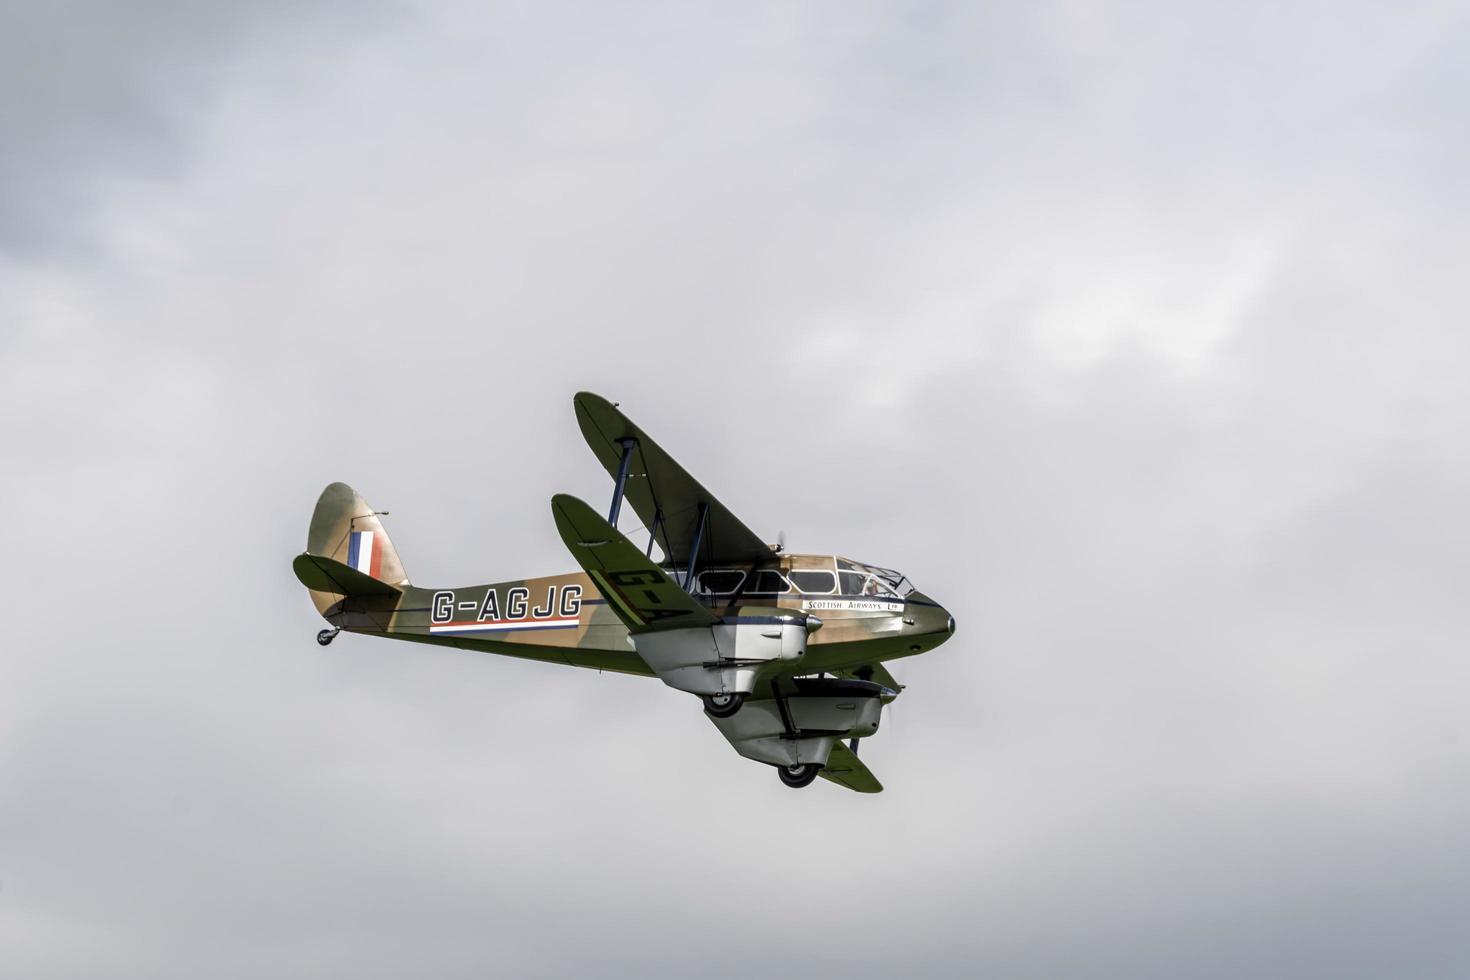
pixel 658 518
pixel 617 501
pixel 694 551
pixel 659 482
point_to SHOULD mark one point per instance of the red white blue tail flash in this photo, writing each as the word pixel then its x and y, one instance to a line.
pixel 362 554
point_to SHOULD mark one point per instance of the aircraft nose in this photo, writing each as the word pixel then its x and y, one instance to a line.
pixel 932 617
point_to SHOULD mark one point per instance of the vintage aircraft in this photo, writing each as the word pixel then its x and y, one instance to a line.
pixel 785 650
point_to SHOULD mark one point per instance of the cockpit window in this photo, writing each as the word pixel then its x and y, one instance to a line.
pixel 768 581
pixel 814 582
pixel 876 586
pixel 896 581
pixel 872 580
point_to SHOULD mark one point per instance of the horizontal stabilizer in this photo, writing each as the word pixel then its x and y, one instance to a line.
pixel 642 594
pixel 326 575
pixel 845 769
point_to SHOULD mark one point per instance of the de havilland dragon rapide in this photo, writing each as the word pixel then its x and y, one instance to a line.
pixel 785 651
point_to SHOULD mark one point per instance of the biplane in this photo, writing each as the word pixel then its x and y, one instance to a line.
pixel 785 651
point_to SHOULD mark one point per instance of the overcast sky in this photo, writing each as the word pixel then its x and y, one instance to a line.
pixel 1135 334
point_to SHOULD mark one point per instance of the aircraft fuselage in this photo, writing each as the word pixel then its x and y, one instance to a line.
pixel 565 619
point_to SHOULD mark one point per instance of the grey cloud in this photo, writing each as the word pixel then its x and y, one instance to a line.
pixel 98 97
pixel 1203 716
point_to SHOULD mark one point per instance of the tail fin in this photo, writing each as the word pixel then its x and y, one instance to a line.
pixel 345 529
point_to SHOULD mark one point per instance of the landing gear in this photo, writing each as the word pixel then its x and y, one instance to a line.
pixel 722 705
pixel 798 776
pixel 327 636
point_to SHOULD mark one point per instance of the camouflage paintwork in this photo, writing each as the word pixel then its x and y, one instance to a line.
pixel 803 614
pixel 564 619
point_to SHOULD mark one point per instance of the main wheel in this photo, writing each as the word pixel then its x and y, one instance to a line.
pixel 723 705
pixel 798 776
pixel 326 636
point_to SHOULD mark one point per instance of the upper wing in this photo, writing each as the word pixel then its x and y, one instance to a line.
pixel 642 594
pixel 658 487
pixel 844 768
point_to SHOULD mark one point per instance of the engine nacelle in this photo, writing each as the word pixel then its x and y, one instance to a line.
pixel 726 658
pixel 821 712
pixel 763 633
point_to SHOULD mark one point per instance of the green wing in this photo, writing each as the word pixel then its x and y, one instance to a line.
pixel 327 575
pixel 875 672
pixel 643 595
pixel 845 769
pixel 658 486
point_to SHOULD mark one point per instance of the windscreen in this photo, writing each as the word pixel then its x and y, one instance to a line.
pixel 870 580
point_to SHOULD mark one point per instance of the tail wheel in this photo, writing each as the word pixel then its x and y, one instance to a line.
pixel 722 705
pixel 798 776
pixel 327 636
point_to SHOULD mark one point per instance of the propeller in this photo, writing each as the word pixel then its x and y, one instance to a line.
pixel 888 709
pixel 866 674
pixel 888 714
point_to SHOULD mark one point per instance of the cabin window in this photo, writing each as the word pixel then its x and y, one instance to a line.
pixel 816 582
pixel 720 582
pixel 768 581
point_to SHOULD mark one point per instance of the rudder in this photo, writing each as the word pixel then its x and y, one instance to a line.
pixel 346 529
